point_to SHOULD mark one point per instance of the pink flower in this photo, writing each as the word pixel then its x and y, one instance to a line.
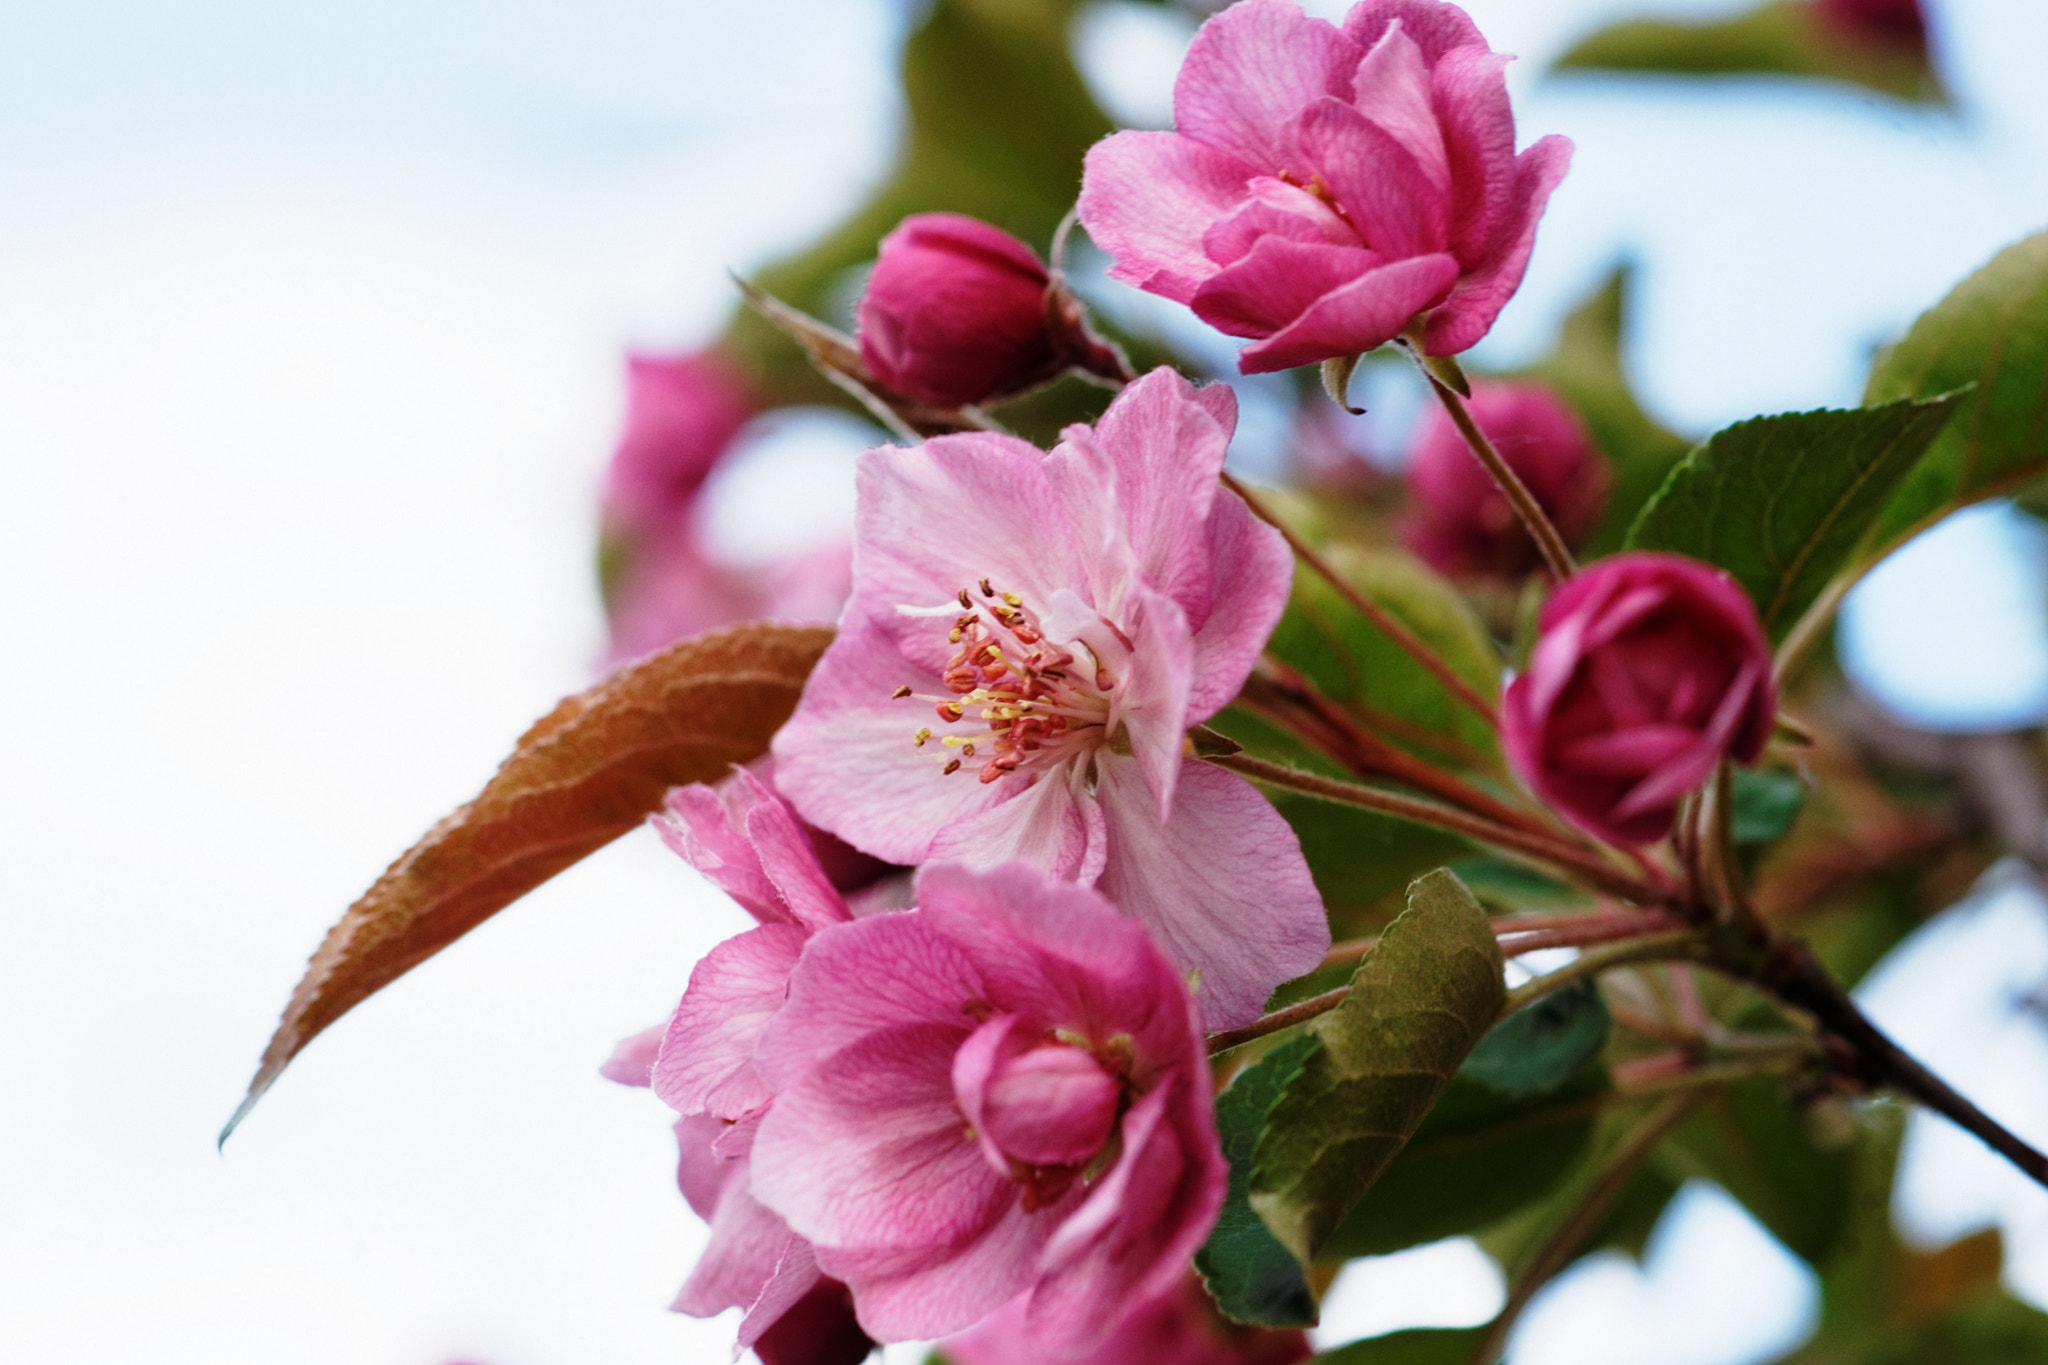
pixel 1029 638
pixel 1182 1328
pixel 1004 1091
pixel 1461 523
pixel 1899 23
pixel 683 414
pixel 1648 669
pixel 959 312
pixel 1328 189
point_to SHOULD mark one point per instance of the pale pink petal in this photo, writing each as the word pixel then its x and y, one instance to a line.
pixel 1248 72
pixel 632 1061
pixel 1053 824
pixel 1146 199
pixel 1396 206
pixel 1249 599
pixel 1392 89
pixel 707 1054
pixel 1222 886
pixel 1276 282
pixel 1435 27
pixel 910 1294
pixel 700 1173
pixel 1152 704
pixel 788 858
pixel 1358 317
pixel 747 1243
pixel 795 1275
pixel 1469 312
pixel 846 759
pixel 700 828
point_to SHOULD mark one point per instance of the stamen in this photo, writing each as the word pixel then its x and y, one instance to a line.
pixel 900 693
pixel 986 590
pixel 920 737
pixel 952 767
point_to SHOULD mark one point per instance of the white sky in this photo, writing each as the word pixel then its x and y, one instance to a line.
pixel 309 329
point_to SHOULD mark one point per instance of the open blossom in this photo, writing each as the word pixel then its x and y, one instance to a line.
pixel 957 311
pixel 1182 1328
pixel 1648 670
pixel 1029 639
pixel 1326 188
pixel 1004 1091
pixel 1461 523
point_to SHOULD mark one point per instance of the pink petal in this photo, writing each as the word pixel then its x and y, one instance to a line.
pixel 847 762
pixel 795 1275
pixel 1147 198
pixel 788 858
pixel 707 1055
pixel 1222 885
pixel 1249 71
pixel 747 1243
pixel 1471 96
pixel 632 1061
pixel 1357 317
pixel 1276 208
pixel 1276 282
pixel 1392 89
pixel 1249 599
pixel 700 828
pixel 1469 312
pixel 1435 27
pixel 700 1173
pixel 910 1294
pixel 1393 202
pixel 1152 704
pixel 1053 824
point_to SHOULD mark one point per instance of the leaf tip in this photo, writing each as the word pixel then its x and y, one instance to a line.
pixel 257 1088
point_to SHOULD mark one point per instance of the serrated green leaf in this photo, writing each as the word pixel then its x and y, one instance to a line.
pixel 1766 804
pixel 1782 38
pixel 1418 1346
pixel 1585 366
pixel 1991 331
pixel 1782 502
pixel 1419 1002
pixel 1250 1275
pixel 1354 662
pixel 1541 1046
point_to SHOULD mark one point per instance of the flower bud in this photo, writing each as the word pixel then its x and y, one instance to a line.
pixel 1648 669
pixel 1895 23
pixel 958 312
pixel 1461 523
pixel 681 414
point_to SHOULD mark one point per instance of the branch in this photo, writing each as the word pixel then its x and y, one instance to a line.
pixel 1672 945
pixel 1300 1012
pixel 1555 554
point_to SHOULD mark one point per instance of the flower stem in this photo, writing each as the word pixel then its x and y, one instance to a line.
pixel 1300 1012
pixel 1662 947
pixel 1589 866
pixel 1581 931
pixel 1557 1250
pixel 1405 639
pixel 1538 524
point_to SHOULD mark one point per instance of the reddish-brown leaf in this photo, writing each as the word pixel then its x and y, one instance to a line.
pixel 586 773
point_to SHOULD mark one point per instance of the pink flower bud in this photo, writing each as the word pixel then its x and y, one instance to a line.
pixel 1461 523
pixel 681 414
pixel 1329 188
pixel 1897 23
pixel 959 312
pixel 1033 1103
pixel 1649 668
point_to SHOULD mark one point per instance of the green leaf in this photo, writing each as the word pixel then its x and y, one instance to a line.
pixel 1585 367
pixel 1991 331
pixel 1782 502
pixel 1508 1127
pixel 1250 1275
pixel 1541 1046
pixel 1782 38
pixel 1750 1141
pixel 1419 1346
pixel 1419 1001
pixel 1766 804
pixel 1353 661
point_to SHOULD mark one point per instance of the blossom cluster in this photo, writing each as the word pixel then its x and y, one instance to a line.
pixel 955 1081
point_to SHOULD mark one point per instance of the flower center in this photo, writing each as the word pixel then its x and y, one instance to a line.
pixel 1026 701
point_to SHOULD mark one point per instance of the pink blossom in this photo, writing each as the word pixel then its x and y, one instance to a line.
pixel 1182 1328
pixel 1461 523
pixel 1002 1092
pixel 1328 189
pixel 683 414
pixel 959 312
pixel 1648 669
pixel 1029 638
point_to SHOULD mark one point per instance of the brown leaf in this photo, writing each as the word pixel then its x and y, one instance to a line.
pixel 589 771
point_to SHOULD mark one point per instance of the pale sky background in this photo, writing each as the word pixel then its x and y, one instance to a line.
pixel 310 318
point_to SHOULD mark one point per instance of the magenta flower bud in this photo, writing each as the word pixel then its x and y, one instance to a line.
pixel 1648 669
pixel 1461 523
pixel 1897 23
pixel 681 414
pixel 959 312
pixel 1327 188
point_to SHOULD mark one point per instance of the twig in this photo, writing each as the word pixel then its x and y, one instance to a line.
pixel 1300 1012
pixel 1563 1242
pixel 1664 947
pixel 1405 639
pixel 1583 931
pixel 1594 870
pixel 1534 519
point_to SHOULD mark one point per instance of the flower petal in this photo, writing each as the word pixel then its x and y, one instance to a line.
pixel 1248 72
pixel 1222 885
pixel 1393 202
pixel 1357 317
pixel 1051 824
pixel 1392 90
pixel 1247 605
pixel 1147 198
pixel 1469 312
pixel 1276 282
pixel 706 1063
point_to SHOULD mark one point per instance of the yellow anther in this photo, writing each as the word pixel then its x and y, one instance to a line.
pixel 920 737
pixel 1013 599
pixel 901 692
pixel 953 636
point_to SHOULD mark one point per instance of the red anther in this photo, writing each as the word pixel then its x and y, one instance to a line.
pixel 950 711
pixel 1000 725
pixel 900 693
pixel 952 766
pixel 986 590
pixel 995 671
pixel 1025 634
pixel 963 681
pixel 1103 680
pixel 992 770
